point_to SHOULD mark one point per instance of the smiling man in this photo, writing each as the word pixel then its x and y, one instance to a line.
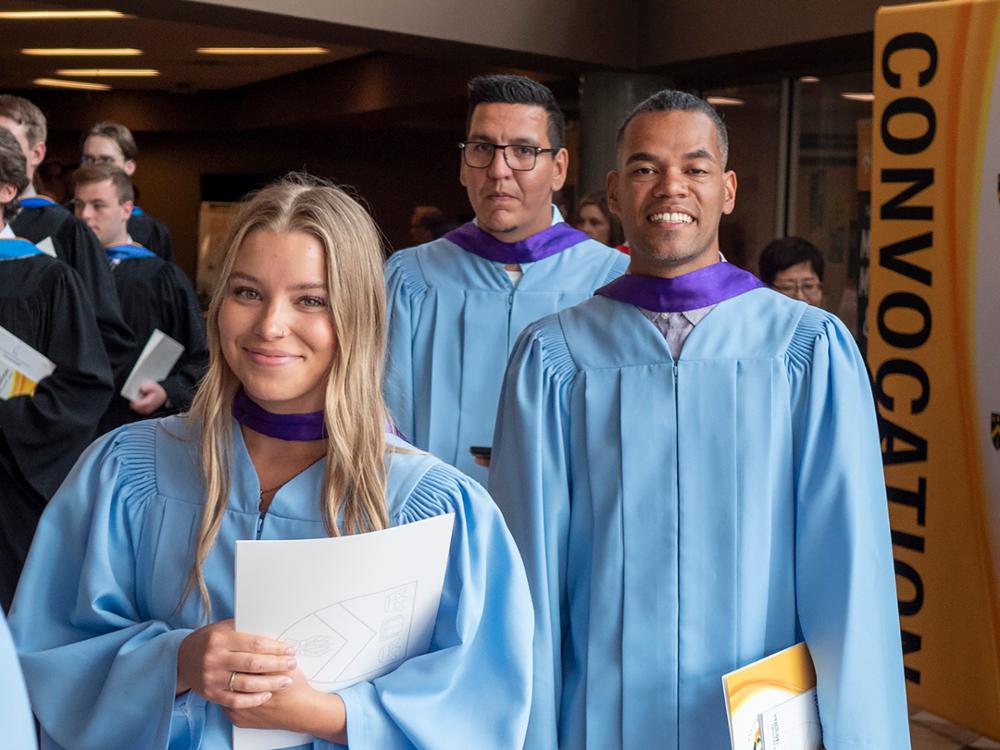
pixel 457 304
pixel 690 465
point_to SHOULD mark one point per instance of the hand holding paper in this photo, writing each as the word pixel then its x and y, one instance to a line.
pixel 353 607
pixel 233 669
pixel 298 708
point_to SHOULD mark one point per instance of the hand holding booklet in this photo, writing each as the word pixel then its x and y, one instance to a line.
pixel 771 703
pixel 158 358
pixel 21 366
pixel 353 607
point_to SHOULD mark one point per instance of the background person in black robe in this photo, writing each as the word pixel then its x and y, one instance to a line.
pixel 111 144
pixel 43 303
pixel 56 230
pixel 154 293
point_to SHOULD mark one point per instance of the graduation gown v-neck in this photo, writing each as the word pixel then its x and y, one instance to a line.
pixel 453 320
pixel 681 519
pixel 97 623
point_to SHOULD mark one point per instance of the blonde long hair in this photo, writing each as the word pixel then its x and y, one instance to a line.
pixel 354 481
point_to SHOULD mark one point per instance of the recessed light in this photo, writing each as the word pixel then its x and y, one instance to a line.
pixel 859 96
pixel 108 72
pixel 808 79
pixel 82 85
pixel 262 50
pixel 81 51
pixel 724 101
pixel 60 15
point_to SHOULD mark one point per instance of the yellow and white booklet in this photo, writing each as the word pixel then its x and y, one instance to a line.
pixel 21 367
pixel 771 703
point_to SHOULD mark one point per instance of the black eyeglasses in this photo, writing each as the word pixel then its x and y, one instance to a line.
pixel 517 156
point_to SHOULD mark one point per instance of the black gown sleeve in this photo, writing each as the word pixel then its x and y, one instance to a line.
pixel 48 431
pixel 152 234
pixel 181 318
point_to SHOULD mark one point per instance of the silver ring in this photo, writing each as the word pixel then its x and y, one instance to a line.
pixel 232 676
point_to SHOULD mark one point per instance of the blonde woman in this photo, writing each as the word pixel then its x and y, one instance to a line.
pixel 285 439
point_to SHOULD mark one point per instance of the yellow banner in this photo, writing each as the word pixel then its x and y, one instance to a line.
pixel 934 343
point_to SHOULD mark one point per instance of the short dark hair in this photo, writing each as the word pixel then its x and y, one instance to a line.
pixel 13 167
pixel 23 112
pixel 787 252
pixel 91 173
pixel 119 134
pixel 505 89
pixel 671 100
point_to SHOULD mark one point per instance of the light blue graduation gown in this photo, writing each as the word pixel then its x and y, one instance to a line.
pixel 453 320
pixel 96 622
pixel 681 519
pixel 16 724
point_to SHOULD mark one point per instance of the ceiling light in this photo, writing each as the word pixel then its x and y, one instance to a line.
pixel 859 96
pixel 724 101
pixel 262 50
pixel 108 72
pixel 59 15
pixel 58 84
pixel 81 51
pixel 808 79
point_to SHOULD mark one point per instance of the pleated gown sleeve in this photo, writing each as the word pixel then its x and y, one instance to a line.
pixel 472 689
pixel 845 584
pixel 405 290
pixel 100 675
pixel 529 474
pixel 15 712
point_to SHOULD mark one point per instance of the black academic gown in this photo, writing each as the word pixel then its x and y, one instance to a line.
pixel 43 303
pixel 79 247
pixel 151 233
pixel 156 294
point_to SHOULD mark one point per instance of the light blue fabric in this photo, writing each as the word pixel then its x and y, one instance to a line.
pixel 97 625
pixel 18 727
pixel 453 319
pixel 681 519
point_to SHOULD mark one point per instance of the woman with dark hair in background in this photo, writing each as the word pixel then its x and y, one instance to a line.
pixel 594 218
pixel 794 267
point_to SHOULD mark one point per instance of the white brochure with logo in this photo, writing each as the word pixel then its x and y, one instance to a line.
pixel 354 607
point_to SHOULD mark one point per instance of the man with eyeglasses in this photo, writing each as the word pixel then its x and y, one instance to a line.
pixel 112 145
pixel 457 304
pixel 57 232
pixel 794 267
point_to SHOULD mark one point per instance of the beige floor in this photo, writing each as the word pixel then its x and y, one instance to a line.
pixel 930 732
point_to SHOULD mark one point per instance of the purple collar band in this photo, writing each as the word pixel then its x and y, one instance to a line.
pixel 548 242
pixel 281 426
pixel 701 288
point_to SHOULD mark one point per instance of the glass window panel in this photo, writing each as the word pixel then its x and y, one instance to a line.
pixel 829 203
pixel 753 118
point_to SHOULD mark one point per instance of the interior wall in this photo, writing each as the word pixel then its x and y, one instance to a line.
pixel 597 32
pixel 671 31
pixel 392 173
